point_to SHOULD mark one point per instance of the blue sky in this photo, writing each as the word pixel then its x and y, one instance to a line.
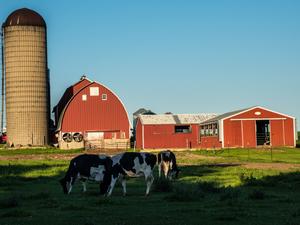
pixel 176 56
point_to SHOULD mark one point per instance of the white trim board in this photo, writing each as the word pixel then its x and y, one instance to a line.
pixel 259 119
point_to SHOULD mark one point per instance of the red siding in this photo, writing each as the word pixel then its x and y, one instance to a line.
pixel 139 134
pixel 289 132
pixel 210 142
pixel 164 136
pixel 96 114
pixel 251 114
pixel 69 93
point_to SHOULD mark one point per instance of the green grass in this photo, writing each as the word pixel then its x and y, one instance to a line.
pixel 37 151
pixel 206 192
pixel 280 155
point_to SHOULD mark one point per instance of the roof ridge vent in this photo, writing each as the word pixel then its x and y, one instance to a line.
pixel 83 77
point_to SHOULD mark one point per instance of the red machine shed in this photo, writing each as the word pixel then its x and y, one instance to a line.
pixel 90 113
pixel 169 131
pixel 251 127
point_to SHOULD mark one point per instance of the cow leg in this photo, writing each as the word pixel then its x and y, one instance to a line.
pixel 159 170
pixel 149 180
pixel 111 186
pixel 166 170
pixel 71 184
pixel 123 182
pixel 83 182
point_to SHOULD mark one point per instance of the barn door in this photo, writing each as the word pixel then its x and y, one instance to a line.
pixel 262 132
pixel 94 135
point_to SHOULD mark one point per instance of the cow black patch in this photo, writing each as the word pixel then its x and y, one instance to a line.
pixel 127 160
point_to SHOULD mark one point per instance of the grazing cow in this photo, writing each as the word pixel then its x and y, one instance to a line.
pixel 87 167
pixel 131 164
pixel 167 164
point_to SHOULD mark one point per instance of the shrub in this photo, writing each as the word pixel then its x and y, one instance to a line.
pixel 162 185
pixel 185 193
pixel 208 187
pixel 257 195
pixel 230 194
pixel 17 213
pixel 40 195
pixel 10 202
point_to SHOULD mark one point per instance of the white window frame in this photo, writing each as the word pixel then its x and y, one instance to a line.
pixel 94 91
pixel 104 97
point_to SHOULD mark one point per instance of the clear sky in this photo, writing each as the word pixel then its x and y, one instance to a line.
pixel 179 56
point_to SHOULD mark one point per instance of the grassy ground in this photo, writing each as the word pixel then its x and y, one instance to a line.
pixel 226 188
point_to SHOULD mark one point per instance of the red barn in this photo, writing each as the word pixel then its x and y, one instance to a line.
pixel 90 114
pixel 251 127
pixel 169 131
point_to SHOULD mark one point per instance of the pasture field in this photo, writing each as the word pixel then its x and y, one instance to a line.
pixel 226 187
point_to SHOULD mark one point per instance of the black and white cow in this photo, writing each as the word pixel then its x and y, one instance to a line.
pixel 131 164
pixel 87 167
pixel 167 164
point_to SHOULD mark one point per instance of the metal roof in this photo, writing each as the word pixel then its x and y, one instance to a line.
pixel 176 118
pixel 225 115
pixel 24 17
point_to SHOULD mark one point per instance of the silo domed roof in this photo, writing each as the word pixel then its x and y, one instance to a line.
pixel 24 17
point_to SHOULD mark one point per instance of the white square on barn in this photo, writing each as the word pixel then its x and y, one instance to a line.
pixel 84 97
pixel 94 91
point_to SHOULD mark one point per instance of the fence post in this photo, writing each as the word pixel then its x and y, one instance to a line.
pixel 271 153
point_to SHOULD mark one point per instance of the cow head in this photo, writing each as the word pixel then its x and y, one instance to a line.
pixel 173 174
pixel 64 185
pixel 107 175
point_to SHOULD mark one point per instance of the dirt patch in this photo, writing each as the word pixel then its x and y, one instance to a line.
pixel 271 166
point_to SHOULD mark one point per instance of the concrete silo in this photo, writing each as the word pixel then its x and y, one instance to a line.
pixel 27 89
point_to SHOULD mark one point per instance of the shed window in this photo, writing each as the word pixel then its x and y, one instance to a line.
pixel 183 129
pixel 84 97
pixel 104 97
pixel 209 130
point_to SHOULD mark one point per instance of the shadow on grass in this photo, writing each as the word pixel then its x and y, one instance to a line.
pixel 274 193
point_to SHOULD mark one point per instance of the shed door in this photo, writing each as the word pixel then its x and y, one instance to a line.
pixel 94 135
pixel 262 132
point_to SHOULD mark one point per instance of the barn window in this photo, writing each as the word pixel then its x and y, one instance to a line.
pixel 84 97
pixel 94 91
pixel 183 129
pixel 104 97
